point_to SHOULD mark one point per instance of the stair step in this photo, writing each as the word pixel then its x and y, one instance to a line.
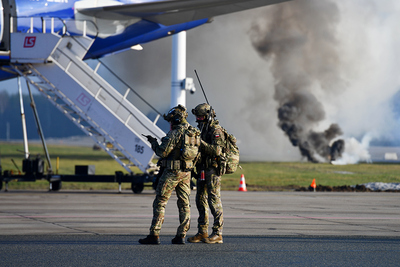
pixel 92 104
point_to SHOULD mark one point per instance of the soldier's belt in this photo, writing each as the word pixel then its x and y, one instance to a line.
pixel 177 165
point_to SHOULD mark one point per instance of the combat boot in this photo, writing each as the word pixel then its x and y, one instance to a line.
pixel 178 240
pixel 213 239
pixel 150 240
pixel 197 238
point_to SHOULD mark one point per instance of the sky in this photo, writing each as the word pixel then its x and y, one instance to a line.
pixel 344 54
pixel 339 55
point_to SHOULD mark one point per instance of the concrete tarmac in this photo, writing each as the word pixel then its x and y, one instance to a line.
pixel 71 228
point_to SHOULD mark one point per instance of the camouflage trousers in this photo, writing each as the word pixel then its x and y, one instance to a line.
pixel 170 180
pixel 208 196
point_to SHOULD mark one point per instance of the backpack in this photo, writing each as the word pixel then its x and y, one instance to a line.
pixel 190 146
pixel 231 152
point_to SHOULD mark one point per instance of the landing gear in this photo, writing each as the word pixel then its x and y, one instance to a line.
pixel 137 188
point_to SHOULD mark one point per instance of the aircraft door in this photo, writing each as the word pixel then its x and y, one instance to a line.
pixel 1 22
pixel 7 10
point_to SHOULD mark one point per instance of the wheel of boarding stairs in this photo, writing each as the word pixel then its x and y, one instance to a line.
pixel 137 188
pixel 55 186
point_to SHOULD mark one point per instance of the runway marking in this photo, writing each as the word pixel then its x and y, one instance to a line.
pixel 309 217
pixel 175 216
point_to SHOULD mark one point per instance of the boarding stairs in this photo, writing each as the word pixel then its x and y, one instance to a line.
pixel 53 64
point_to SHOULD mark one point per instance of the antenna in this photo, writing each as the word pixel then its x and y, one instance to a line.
pixel 202 89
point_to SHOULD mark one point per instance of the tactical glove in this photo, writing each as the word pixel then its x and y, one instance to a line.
pixel 150 138
pixel 210 150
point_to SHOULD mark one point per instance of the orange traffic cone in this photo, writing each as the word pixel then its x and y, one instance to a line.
pixel 313 184
pixel 242 185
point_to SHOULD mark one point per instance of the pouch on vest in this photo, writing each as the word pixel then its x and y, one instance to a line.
pixel 190 144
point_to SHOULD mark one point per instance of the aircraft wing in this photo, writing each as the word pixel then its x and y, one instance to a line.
pixel 172 12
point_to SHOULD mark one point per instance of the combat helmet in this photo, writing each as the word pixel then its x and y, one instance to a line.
pixel 203 110
pixel 176 115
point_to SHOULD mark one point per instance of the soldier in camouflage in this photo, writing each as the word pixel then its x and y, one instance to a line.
pixel 175 176
pixel 208 194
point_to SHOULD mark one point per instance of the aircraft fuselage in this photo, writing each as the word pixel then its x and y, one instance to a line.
pixel 112 35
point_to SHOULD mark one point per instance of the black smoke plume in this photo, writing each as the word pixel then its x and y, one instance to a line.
pixel 298 39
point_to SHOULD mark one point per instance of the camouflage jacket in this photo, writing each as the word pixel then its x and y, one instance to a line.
pixel 170 147
pixel 212 142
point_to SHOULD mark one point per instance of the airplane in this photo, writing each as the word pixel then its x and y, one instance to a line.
pixel 48 41
pixel 121 24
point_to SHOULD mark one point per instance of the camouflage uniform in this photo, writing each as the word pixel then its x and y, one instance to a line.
pixel 208 192
pixel 171 179
pixel 175 175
